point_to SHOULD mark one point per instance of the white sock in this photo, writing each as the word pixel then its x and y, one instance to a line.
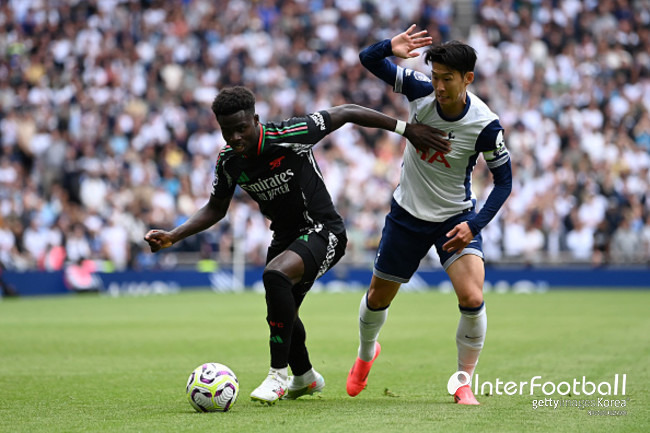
pixel 282 372
pixel 304 379
pixel 370 323
pixel 470 337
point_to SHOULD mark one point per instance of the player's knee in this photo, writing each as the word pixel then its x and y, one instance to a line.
pixel 470 300
pixel 273 279
pixel 289 264
pixel 272 273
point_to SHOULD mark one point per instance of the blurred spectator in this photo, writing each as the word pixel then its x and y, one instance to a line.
pixel 114 240
pixel 645 239
pixel 36 240
pixel 602 240
pixel 626 243
pixel 77 246
pixel 580 241
pixel 7 242
pixel 534 241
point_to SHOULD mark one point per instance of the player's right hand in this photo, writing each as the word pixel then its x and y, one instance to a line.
pixel 158 239
pixel 426 138
pixel 405 43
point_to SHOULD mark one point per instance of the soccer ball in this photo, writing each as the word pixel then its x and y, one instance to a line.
pixel 212 387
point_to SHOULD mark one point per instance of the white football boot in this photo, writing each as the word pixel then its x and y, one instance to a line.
pixel 305 386
pixel 272 389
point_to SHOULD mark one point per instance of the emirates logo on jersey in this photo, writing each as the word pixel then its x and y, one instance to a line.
pixel 268 188
pixel 276 163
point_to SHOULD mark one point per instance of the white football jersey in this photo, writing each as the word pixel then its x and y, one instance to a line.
pixel 435 186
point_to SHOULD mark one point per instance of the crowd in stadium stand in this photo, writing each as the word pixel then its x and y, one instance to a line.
pixel 106 129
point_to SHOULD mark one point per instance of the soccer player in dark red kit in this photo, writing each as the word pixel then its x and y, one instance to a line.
pixel 274 163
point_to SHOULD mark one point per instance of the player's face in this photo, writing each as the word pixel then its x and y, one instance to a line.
pixel 241 132
pixel 450 87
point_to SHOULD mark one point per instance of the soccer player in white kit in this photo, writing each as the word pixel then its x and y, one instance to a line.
pixel 434 203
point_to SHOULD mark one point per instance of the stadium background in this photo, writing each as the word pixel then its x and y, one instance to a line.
pixel 106 129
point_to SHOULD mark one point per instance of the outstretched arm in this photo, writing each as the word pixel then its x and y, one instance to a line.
pixel 410 83
pixel 423 137
pixel 401 45
pixel 213 211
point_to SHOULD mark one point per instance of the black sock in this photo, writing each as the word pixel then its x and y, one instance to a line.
pixel 281 314
pixel 298 355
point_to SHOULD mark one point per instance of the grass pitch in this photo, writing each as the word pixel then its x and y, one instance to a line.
pixel 99 364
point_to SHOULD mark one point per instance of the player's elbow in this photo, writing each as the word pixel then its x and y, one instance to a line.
pixel 506 186
pixel 364 57
pixel 342 114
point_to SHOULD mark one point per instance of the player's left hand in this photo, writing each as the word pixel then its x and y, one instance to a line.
pixel 461 236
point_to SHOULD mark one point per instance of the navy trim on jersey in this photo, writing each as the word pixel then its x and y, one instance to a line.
pixel 460 116
pixel 486 140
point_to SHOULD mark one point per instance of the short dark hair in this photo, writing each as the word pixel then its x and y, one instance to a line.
pixel 233 99
pixel 453 54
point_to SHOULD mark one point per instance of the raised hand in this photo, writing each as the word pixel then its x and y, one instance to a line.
pixel 404 43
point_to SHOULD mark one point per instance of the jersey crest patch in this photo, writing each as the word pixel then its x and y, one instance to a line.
pixel 276 162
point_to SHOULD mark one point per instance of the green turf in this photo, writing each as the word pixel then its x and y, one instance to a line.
pixel 99 364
